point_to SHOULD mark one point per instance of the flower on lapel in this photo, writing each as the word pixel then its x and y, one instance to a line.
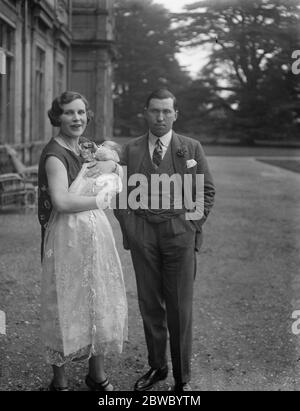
pixel 181 152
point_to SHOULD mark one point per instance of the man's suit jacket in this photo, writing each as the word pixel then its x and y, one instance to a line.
pixel 182 149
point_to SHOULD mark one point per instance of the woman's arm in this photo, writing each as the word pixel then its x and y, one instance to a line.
pixel 62 200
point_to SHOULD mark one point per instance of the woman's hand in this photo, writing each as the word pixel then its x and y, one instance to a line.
pixel 101 167
pixel 106 187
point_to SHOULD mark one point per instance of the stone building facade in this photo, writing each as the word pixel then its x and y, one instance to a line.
pixel 46 47
pixel 92 56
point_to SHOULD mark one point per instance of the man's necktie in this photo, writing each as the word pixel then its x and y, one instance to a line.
pixel 157 153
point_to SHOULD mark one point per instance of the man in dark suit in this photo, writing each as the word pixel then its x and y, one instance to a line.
pixel 163 239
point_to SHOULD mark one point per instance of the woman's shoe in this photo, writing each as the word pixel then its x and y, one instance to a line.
pixel 52 387
pixel 104 385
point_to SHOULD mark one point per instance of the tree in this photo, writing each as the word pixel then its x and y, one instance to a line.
pixel 146 48
pixel 249 69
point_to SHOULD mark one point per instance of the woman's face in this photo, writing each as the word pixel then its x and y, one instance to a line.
pixel 73 120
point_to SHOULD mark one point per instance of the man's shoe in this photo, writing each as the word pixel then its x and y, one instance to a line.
pixel 150 378
pixel 180 387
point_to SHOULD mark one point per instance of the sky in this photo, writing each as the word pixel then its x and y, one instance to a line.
pixel 175 5
pixel 192 59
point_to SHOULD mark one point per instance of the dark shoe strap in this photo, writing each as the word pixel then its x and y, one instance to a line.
pixel 96 386
pixel 103 383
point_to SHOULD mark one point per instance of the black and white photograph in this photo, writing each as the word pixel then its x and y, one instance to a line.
pixel 149 198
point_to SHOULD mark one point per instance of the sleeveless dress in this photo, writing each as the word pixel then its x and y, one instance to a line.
pixel 72 163
pixel 84 305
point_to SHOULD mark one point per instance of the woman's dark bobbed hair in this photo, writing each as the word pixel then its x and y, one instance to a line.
pixel 65 98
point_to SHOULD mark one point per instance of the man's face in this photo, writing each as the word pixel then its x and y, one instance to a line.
pixel 160 116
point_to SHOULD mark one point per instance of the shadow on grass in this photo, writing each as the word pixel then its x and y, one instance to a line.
pixel 291 165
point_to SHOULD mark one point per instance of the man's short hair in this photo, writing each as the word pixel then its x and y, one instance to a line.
pixel 161 94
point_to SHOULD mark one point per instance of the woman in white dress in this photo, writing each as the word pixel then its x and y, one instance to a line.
pixel 84 307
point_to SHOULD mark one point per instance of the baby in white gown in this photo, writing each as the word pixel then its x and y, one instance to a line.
pixel 84 310
pixel 106 185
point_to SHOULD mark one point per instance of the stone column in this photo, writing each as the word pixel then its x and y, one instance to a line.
pixel 92 59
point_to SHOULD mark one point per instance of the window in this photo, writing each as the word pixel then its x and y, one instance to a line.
pixel 6 83
pixel 39 95
pixel 60 78
pixel 62 11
